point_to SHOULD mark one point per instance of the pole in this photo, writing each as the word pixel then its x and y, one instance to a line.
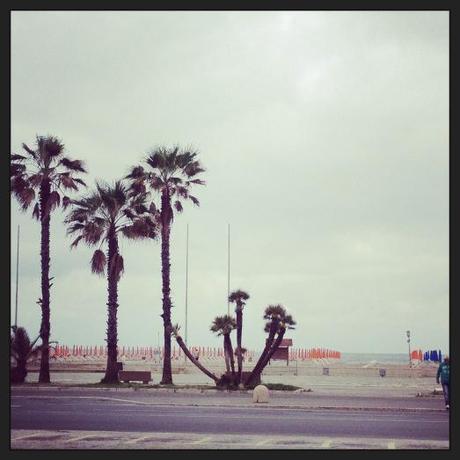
pixel 17 280
pixel 228 272
pixel 186 293
pixel 408 342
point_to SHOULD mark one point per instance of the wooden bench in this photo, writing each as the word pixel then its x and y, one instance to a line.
pixel 135 376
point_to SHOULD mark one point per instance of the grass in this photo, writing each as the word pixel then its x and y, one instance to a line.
pixel 281 386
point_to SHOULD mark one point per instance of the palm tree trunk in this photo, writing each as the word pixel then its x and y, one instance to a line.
pixel 268 356
pixel 229 347
pixel 226 357
pixel 257 370
pixel 239 334
pixel 166 214
pixel 44 376
pixel 192 358
pixel 21 370
pixel 111 371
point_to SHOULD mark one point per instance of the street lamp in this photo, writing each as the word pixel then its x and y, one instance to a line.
pixel 408 342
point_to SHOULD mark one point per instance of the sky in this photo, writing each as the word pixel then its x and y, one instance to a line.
pixel 325 141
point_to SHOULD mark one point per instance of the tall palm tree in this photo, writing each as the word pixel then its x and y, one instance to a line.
pixel 43 176
pixel 238 297
pixel 174 330
pixel 171 172
pixel 278 320
pixel 224 325
pixel 101 217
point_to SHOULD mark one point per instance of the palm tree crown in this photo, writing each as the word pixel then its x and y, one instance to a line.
pixel 46 164
pixel 171 172
pixel 239 298
pixel 223 325
pixel 279 313
pixel 105 212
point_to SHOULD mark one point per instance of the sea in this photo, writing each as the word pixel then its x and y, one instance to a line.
pixel 377 358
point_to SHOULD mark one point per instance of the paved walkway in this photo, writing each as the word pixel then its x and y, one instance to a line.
pixel 31 439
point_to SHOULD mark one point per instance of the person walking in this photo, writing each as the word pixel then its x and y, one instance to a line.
pixel 443 373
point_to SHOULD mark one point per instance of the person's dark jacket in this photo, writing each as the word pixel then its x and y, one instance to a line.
pixel 443 372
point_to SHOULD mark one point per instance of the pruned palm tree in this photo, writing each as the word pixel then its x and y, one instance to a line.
pixel 170 172
pixel 42 177
pixel 224 325
pixel 239 297
pixel 99 219
pixel 278 320
pixel 174 330
pixel 21 350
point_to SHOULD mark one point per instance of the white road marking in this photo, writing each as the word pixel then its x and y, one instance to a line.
pixel 24 436
pixel 201 441
pixel 263 442
pixel 78 438
pixel 391 445
pixel 326 444
pixel 133 441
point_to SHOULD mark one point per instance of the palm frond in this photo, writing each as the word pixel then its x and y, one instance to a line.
pixel 31 152
pixel 79 181
pixel 174 330
pixel 182 191
pixel 137 172
pixel 76 241
pixel 54 200
pixel 25 197
pixel 98 262
pixel 73 165
pixel 238 296
pixel 156 159
pixel 49 146
pixel 178 206
pixel 36 211
pixel 66 181
pixel 17 169
pixel 16 157
pixel 18 184
pixel 194 200
pixel 223 324
pixel 197 182
pixel 35 179
pixel 193 169
pixel 274 311
pixel 92 233
pixel 66 201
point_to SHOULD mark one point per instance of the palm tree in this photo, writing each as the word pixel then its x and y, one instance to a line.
pixel 48 173
pixel 174 330
pixel 224 325
pixel 101 217
pixel 239 297
pixel 21 350
pixel 278 322
pixel 171 172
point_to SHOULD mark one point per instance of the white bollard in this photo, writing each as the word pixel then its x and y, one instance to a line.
pixel 260 394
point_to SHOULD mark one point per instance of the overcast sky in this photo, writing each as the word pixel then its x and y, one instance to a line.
pixel 325 141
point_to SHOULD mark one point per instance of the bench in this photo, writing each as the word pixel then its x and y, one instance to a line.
pixel 135 376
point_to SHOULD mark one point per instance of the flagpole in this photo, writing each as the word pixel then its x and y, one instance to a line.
pixel 186 292
pixel 17 280
pixel 228 271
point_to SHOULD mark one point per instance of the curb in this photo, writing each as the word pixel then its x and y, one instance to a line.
pixel 265 405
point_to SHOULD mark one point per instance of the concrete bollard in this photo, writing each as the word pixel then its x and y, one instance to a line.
pixel 260 394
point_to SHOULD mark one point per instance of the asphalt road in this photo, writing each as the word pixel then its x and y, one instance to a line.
pixel 131 412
